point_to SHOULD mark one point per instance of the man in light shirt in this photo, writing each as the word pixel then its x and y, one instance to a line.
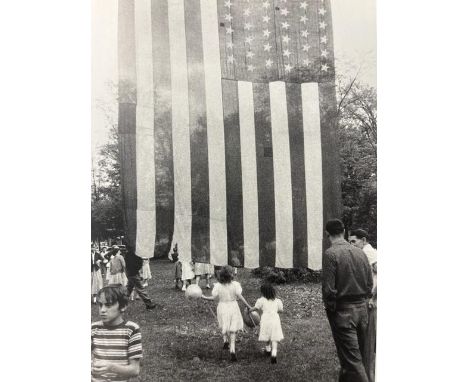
pixel 359 238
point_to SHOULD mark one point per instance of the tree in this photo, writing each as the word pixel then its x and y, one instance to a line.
pixel 106 200
pixel 357 128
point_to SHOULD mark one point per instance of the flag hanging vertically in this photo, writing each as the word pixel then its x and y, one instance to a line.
pixel 227 129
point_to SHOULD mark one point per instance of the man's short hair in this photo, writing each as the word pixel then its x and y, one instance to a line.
pixel 334 227
pixel 359 233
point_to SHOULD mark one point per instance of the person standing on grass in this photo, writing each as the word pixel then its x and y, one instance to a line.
pixel 229 315
pixel 206 270
pixel 359 238
pixel 116 347
pixel 117 268
pixel 133 266
pixel 270 323
pixel 346 288
pixel 96 275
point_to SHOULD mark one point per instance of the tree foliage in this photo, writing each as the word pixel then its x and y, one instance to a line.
pixel 106 200
pixel 357 128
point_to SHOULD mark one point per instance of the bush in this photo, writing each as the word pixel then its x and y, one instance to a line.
pixel 282 276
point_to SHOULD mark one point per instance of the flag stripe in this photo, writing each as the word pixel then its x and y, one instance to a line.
pixel 215 132
pixel 265 175
pixel 198 135
pixel 313 173
pixel 234 203
pixel 180 130
pixel 146 213
pixel 282 169
pixel 296 144
pixel 331 189
pixel 249 174
pixel 127 115
pixel 164 171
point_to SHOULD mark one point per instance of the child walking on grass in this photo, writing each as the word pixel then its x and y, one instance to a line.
pixel 229 316
pixel 116 347
pixel 270 324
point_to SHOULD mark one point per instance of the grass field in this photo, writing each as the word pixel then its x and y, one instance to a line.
pixel 181 340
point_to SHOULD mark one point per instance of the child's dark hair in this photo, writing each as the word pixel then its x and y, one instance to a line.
pixel 268 291
pixel 115 293
pixel 225 275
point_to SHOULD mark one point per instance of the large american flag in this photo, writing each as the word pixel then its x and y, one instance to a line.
pixel 226 127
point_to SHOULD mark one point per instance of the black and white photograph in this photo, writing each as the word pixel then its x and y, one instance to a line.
pixel 234 190
pixel 221 158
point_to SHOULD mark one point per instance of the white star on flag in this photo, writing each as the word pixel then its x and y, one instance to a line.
pixel 306 62
pixel 322 24
pixel 250 54
pixel 286 39
pixel 229 44
pixel 304 33
pixel 267 47
pixel 324 68
pixel 324 53
pixel 306 47
pixel 287 53
pixel 266 18
pixel 285 25
pixel 265 4
pixel 249 39
pixel 248 26
pixel 288 67
pixel 247 12
pixel 228 17
pixel 304 5
pixel 230 59
pixel 284 11
pixel 304 19
pixel 323 39
pixel 228 3
pixel 322 11
pixel 229 30
pixel 268 63
pixel 250 68
pixel 266 33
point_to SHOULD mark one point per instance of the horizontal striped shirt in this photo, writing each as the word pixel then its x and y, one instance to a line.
pixel 115 344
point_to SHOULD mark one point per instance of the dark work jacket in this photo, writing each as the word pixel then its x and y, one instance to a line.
pixel 133 263
pixel 347 275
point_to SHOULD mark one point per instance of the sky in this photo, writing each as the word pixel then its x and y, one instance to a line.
pixel 354 34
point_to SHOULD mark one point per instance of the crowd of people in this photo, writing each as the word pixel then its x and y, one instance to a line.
pixel 349 294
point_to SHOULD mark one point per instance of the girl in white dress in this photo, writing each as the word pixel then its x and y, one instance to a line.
pixel 229 316
pixel 270 323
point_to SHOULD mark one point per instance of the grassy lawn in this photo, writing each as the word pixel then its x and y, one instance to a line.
pixel 181 341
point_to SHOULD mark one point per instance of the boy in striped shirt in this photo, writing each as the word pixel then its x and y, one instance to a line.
pixel 115 343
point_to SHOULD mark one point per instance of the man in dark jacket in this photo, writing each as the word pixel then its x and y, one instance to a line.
pixel 346 289
pixel 133 265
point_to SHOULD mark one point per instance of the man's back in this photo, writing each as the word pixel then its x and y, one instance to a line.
pixel 347 275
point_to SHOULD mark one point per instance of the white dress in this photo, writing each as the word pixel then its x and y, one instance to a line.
pixel 187 272
pixel 202 269
pixel 146 270
pixel 270 324
pixel 228 312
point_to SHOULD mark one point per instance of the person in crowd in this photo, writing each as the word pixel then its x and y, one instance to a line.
pixel 146 271
pixel 116 345
pixel 346 289
pixel 229 316
pixel 174 257
pixel 359 238
pixel 96 275
pixel 117 268
pixel 270 323
pixel 205 270
pixel 133 266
